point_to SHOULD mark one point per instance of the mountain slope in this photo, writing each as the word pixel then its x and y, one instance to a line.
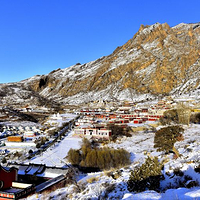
pixel 158 60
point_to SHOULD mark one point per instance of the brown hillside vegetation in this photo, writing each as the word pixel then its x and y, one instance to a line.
pixel 158 60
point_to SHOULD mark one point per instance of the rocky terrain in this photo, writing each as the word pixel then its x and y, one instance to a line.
pixel 159 60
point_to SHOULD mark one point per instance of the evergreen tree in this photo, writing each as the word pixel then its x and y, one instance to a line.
pixel 147 176
pixel 166 137
pixel 169 117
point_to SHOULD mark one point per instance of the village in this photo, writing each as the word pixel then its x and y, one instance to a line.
pixel 31 152
pixel 95 122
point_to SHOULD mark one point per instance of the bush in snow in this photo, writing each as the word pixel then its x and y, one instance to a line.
pixel 197 169
pixel 4 160
pixel 147 176
pixel 74 156
pixel 118 131
pixel 166 137
pixel 184 113
pixel 169 117
pixel 109 187
pixel 195 118
pixel 178 179
pixel 91 157
pixel 92 179
pixel 178 172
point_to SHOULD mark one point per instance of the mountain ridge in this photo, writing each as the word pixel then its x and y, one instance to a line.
pixel 158 60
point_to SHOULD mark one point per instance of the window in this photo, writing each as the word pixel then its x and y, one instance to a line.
pixel 91 131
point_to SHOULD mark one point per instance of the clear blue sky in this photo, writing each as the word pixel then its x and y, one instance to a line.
pixel 38 36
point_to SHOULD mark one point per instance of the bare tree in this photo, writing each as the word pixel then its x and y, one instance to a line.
pixel 184 113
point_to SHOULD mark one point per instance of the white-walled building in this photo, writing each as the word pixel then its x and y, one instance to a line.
pixel 95 132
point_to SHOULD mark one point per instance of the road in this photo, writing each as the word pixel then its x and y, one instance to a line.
pixel 55 155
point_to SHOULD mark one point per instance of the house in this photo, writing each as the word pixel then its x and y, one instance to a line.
pixel 29 134
pixel 79 131
pixel 27 128
pixel 7 176
pixel 94 131
pixel 112 116
pixel 44 177
pixel 14 139
pixel 56 117
pixel 104 133
pixel 137 121
pixel 9 188
pixel 124 109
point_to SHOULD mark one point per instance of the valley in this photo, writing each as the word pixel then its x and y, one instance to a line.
pixel 124 126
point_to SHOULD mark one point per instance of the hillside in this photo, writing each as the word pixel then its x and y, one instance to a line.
pixel 158 60
pixel 112 184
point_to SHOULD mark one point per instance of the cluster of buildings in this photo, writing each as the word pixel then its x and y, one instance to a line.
pixel 9 187
pixel 26 132
pixel 20 180
pixel 95 122
pixel 57 120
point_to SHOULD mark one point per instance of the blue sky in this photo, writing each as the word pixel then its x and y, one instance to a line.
pixel 38 36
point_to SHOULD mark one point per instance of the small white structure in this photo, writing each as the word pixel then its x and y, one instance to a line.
pixel 27 128
pixel 79 131
pixel 29 134
pixel 21 129
pixel 56 117
pixel 103 133
pixel 20 144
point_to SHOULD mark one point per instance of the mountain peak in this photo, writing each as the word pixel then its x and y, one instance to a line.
pixel 158 60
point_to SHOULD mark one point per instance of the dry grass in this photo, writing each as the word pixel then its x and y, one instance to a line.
pixel 155 124
pixel 137 129
pixel 92 179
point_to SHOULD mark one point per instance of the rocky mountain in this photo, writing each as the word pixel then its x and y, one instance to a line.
pixel 158 60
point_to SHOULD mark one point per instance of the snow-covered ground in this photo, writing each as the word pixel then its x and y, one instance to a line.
pixel 113 184
pixel 55 155
pixel 171 194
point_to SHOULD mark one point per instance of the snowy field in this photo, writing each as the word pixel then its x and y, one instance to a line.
pixel 139 145
pixel 172 194
pixel 55 155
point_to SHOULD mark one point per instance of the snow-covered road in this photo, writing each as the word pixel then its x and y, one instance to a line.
pixel 55 155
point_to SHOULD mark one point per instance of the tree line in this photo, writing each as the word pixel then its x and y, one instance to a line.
pixel 89 156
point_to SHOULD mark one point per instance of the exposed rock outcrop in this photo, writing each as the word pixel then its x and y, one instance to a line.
pixel 158 60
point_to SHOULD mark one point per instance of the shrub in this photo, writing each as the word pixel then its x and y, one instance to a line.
pixel 38 145
pixel 118 131
pixel 184 113
pixel 191 184
pixel 178 172
pixel 92 179
pixel 108 189
pixel 85 147
pixel 74 156
pixel 106 158
pixel 4 160
pixel 197 169
pixel 30 151
pixel 166 137
pixel 195 118
pixel 146 176
pixel 169 116
pixel 92 157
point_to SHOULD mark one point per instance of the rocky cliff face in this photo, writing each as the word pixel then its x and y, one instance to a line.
pixel 158 60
